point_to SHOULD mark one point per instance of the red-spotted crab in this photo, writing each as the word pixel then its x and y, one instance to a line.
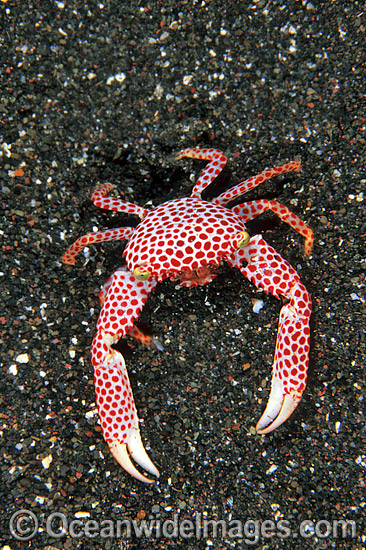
pixel 186 240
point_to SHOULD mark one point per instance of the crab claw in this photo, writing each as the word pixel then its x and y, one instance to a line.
pixel 117 409
pixel 267 270
pixel 290 361
pixel 279 408
pixel 138 453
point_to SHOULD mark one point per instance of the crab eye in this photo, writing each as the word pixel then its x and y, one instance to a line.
pixel 142 275
pixel 245 239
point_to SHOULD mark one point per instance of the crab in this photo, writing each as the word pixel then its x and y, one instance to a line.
pixel 186 240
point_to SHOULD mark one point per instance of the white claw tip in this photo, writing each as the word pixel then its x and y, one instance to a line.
pixel 279 408
pixel 138 453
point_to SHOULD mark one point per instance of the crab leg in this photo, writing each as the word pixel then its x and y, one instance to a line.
pixel 251 209
pixel 100 199
pixel 217 161
pixel 117 234
pixel 267 270
pixel 122 301
pixel 247 185
pixel 134 332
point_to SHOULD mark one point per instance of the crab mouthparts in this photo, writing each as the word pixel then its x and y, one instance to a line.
pixel 197 277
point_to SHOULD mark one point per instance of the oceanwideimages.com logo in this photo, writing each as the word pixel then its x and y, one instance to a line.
pixel 24 525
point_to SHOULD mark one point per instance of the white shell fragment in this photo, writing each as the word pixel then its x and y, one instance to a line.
pixel 22 358
pixel 119 77
pixel 257 305
pixel 46 461
pixel 13 369
pixel 80 515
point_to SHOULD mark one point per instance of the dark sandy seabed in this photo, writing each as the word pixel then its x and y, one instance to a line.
pixel 111 91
